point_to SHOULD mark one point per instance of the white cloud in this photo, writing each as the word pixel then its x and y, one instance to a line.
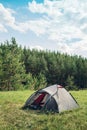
pixel 8 20
pixel 2 28
pixel 6 16
pixel 48 7
pixel 37 47
pixel 38 26
pixel 73 49
pixel 64 18
pixel 61 21
pixel 67 23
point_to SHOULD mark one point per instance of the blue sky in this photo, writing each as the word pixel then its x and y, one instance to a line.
pixel 59 25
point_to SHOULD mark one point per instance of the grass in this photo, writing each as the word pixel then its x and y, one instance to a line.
pixel 12 117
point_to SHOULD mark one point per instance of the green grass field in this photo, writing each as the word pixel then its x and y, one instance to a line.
pixel 12 117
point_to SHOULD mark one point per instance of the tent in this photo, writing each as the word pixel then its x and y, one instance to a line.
pixel 52 98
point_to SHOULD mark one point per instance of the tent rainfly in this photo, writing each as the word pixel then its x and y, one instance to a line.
pixel 53 98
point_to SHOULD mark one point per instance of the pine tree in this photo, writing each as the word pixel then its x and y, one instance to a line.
pixel 70 85
pixel 13 68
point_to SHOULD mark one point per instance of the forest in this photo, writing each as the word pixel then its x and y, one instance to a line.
pixel 22 68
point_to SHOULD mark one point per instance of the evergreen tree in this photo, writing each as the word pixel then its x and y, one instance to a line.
pixel 40 82
pixel 22 68
pixel 70 85
pixel 13 68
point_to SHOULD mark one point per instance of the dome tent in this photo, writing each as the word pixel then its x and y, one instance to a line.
pixel 52 98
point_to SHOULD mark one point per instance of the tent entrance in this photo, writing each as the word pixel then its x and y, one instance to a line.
pixel 39 100
pixel 43 101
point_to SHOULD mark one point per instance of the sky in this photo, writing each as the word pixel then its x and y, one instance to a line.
pixel 56 25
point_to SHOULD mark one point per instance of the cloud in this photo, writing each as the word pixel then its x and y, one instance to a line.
pixel 48 7
pixel 60 21
pixel 7 19
pixel 73 49
pixel 66 23
pixel 37 47
pixel 6 16
pixel 2 28
pixel 64 18
pixel 38 26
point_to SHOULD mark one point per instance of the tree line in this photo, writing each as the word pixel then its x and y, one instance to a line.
pixel 22 68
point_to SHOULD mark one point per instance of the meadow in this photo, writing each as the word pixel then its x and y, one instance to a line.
pixel 12 117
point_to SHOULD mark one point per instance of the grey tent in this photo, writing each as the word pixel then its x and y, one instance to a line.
pixel 52 98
